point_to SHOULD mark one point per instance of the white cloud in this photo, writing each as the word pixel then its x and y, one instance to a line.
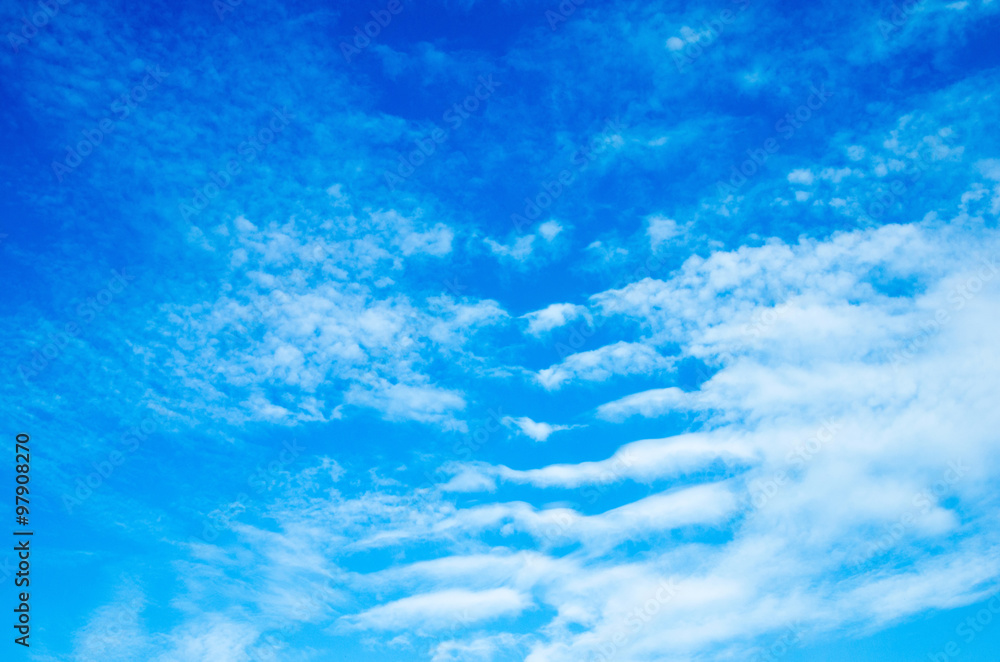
pixel 310 310
pixel 801 176
pixel 651 403
pixel 436 241
pixel 856 152
pixel 479 649
pixel 826 410
pixel 661 230
pixel 214 638
pixel 549 230
pixel 523 246
pixel 520 250
pixel 839 369
pixel 453 323
pixel 535 430
pixel 440 610
pixel 553 316
pixel 469 480
pixel 675 43
pixel 621 358
pixel 426 403
pixel 642 461
pixel 114 632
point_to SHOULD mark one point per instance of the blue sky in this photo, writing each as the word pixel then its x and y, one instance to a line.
pixel 512 331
